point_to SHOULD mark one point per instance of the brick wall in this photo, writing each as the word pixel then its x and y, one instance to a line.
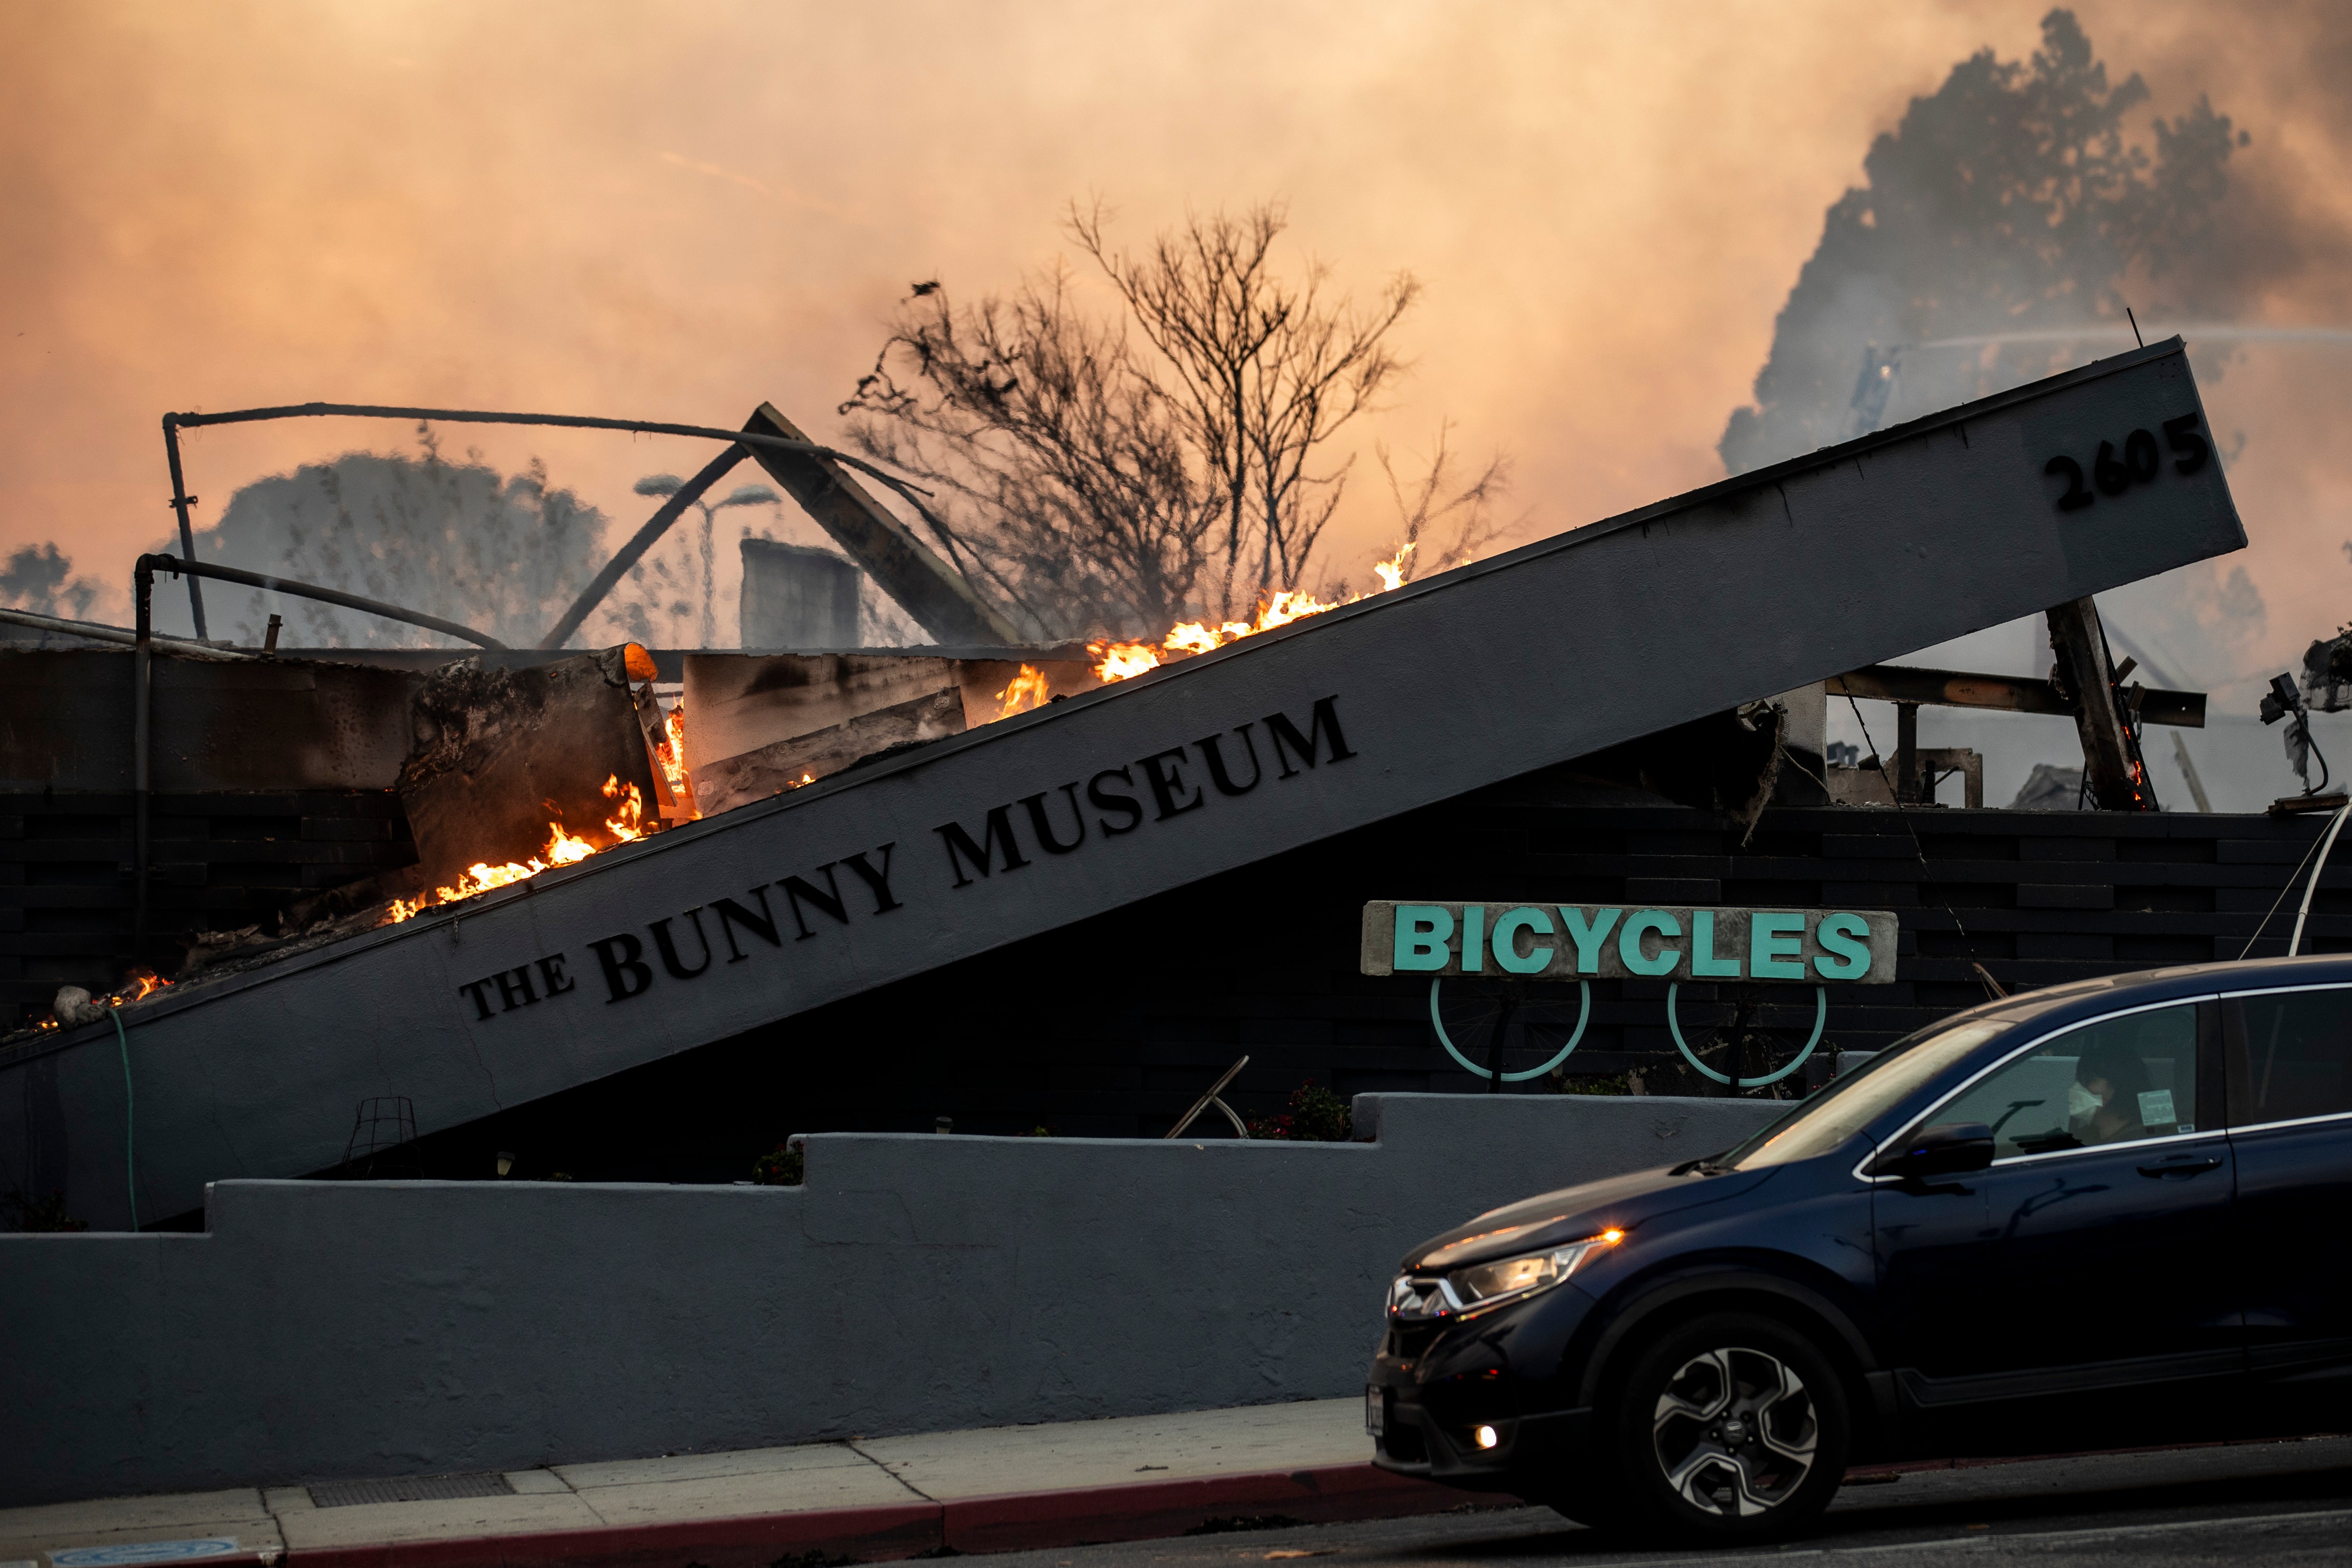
pixel 221 861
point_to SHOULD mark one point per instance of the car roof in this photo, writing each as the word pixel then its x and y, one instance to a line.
pixel 2109 993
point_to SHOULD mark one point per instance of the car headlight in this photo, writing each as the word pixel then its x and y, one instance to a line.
pixel 1421 1298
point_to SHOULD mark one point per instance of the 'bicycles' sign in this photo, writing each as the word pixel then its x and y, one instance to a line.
pixel 1628 941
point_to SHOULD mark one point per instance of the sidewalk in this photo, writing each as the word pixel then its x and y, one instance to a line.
pixel 999 1489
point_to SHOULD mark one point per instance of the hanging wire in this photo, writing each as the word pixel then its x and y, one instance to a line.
pixel 1920 852
pixel 130 1160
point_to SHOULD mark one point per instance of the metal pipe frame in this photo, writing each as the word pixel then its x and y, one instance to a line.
pixel 739 440
pixel 642 541
pixel 149 564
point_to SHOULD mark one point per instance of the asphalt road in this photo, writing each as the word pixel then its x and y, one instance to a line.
pixel 2275 1503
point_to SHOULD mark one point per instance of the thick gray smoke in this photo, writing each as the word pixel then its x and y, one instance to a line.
pixel 2004 225
pixel 2006 222
pixel 2009 206
pixel 38 578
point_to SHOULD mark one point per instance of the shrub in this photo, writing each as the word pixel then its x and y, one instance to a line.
pixel 1315 1116
pixel 779 1167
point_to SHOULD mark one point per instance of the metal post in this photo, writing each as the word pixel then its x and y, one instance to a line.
pixel 181 502
pixel 142 581
pixel 1906 752
pixel 641 541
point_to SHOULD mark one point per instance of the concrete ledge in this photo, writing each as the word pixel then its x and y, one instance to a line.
pixel 917 1283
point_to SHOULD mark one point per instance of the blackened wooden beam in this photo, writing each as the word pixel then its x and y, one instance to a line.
pixel 2008 693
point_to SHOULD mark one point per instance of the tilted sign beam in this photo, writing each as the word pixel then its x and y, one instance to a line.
pixel 1757 585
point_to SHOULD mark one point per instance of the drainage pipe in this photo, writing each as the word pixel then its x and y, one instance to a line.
pixel 142 595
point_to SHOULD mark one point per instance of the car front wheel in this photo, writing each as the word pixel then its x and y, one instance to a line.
pixel 1730 1427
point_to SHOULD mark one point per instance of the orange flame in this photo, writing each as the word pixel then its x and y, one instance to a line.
pixel 141 984
pixel 1123 660
pixel 1120 660
pixel 144 983
pixel 563 847
pixel 671 755
pixel 629 825
pixel 1027 690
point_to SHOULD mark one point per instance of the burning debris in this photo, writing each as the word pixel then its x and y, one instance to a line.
pixel 1125 661
pixel 562 849
pixel 75 1004
pixel 506 760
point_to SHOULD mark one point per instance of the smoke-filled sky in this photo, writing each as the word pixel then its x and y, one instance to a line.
pixel 674 212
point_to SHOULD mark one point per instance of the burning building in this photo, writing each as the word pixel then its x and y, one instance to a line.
pixel 1066 886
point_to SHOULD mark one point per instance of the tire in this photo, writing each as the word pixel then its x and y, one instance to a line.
pixel 1728 1429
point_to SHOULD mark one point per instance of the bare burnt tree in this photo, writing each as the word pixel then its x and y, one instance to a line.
pixel 1441 523
pixel 1265 369
pixel 1062 466
pixel 1124 474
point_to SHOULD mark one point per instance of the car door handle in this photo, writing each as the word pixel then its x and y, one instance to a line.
pixel 2182 1166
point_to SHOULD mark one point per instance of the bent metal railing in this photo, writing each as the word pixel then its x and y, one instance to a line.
pixel 740 443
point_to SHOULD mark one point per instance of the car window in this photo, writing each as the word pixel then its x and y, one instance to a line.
pixel 2289 1052
pixel 2112 1082
pixel 1854 1102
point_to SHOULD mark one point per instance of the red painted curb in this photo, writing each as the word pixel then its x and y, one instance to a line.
pixel 1012 1522
pixel 1324 1494
pixel 872 1534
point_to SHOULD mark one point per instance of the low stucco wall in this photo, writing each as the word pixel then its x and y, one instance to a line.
pixel 916 1283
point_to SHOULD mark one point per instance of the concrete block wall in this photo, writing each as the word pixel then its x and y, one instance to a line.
pixel 916 1282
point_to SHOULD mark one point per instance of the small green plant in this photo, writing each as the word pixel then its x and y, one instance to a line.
pixel 1040 1131
pixel 1613 1083
pixel 1315 1116
pixel 780 1166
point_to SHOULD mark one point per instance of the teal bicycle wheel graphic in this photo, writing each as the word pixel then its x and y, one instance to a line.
pixel 1748 1018
pixel 1506 1024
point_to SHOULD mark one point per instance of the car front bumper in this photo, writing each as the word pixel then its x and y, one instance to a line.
pixel 1433 1387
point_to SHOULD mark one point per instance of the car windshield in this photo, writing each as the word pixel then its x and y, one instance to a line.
pixel 1853 1102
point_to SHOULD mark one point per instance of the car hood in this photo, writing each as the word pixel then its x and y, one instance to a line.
pixel 1572 1213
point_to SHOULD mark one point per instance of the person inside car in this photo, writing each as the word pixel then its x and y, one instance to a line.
pixel 2102 1102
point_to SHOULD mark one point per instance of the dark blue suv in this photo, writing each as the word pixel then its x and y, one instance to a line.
pixel 2104 1215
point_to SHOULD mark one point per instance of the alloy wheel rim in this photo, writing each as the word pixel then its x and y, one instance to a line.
pixel 1734 1432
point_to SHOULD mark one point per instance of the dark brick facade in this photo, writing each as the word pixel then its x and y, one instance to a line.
pixel 221 861
pixel 1111 1027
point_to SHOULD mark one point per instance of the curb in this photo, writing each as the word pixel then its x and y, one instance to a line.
pixel 1012 1522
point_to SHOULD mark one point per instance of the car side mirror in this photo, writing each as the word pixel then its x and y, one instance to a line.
pixel 1945 1149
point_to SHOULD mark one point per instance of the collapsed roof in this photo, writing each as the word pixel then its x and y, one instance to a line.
pixel 941 848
